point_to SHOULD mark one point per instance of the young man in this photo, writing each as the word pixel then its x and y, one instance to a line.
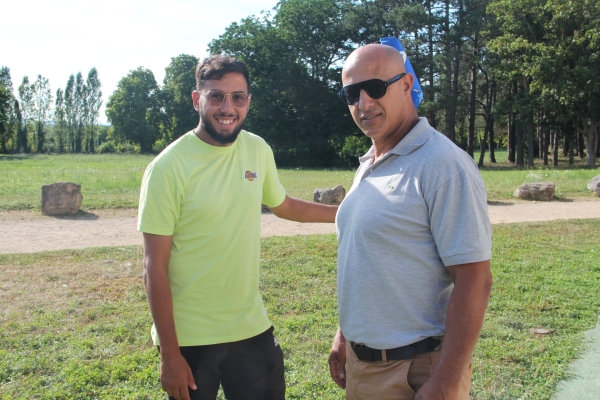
pixel 414 247
pixel 200 208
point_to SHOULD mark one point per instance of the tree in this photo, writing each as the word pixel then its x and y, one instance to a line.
pixel 41 108
pixel 132 108
pixel 22 140
pixel 180 80
pixel 26 107
pixel 80 110
pixel 6 108
pixel 60 121
pixel 93 103
pixel 294 60
pixel 70 112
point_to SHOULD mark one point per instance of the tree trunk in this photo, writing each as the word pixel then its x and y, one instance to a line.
pixel 571 139
pixel 546 134
pixel 580 145
pixel 491 121
pixel 555 149
pixel 431 92
pixel 540 131
pixel 520 139
pixel 511 146
pixel 472 99
pixel 530 139
pixel 591 144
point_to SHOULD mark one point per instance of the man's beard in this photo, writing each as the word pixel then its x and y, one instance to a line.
pixel 207 125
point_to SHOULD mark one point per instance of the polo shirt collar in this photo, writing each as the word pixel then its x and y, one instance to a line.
pixel 416 138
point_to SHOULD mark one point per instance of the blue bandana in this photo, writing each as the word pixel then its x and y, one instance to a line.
pixel 416 93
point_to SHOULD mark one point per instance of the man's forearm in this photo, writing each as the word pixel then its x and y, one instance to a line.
pixel 160 302
pixel 157 252
pixel 466 312
pixel 305 211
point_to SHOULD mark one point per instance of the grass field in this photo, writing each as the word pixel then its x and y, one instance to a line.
pixel 113 181
pixel 75 325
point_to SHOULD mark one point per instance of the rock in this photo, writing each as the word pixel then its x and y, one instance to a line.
pixel 61 198
pixel 535 191
pixel 330 196
pixel 594 185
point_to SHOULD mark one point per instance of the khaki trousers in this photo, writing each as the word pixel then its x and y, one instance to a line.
pixel 393 380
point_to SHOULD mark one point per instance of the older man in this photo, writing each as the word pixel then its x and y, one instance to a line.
pixel 414 247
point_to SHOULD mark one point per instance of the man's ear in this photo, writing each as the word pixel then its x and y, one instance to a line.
pixel 407 83
pixel 196 100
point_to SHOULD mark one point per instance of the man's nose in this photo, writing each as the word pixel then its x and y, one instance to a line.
pixel 227 104
pixel 364 100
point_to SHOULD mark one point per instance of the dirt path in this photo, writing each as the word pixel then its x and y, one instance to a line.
pixel 29 231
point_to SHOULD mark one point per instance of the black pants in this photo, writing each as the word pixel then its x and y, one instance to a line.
pixel 251 369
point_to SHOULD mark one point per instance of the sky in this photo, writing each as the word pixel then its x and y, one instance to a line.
pixel 62 37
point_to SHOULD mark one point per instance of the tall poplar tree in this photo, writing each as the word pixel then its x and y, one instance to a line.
pixel 41 109
pixel 79 111
pixel 93 103
pixel 70 112
pixel 6 108
pixel 60 122
pixel 26 107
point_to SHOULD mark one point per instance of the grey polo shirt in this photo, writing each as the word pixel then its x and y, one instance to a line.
pixel 420 208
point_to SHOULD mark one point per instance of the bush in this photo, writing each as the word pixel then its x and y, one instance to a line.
pixel 127 148
pixel 159 146
pixel 354 147
pixel 107 147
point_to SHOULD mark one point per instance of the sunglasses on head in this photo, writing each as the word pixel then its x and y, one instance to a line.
pixel 216 98
pixel 375 88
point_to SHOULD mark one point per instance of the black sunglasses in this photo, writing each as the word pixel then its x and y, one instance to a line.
pixel 375 88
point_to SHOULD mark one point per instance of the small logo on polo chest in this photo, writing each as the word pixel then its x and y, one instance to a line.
pixel 250 175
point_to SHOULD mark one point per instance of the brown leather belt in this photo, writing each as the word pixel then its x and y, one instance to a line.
pixel 366 353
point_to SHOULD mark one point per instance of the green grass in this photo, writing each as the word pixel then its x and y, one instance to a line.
pixel 107 180
pixel 113 181
pixel 75 325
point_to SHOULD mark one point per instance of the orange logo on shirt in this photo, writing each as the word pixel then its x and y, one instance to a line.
pixel 250 175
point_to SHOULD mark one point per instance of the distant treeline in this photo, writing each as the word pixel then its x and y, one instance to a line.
pixel 521 74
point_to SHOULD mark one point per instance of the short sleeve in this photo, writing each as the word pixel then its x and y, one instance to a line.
pixel 273 190
pixel 159 204
pixel 460 223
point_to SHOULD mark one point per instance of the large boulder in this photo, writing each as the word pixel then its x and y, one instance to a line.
pixel 61 198
pixel 594 185
pixel 330 196
pixel 535 191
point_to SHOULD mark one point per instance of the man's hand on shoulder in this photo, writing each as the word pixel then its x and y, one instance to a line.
pixel 337 359
pixel 176 376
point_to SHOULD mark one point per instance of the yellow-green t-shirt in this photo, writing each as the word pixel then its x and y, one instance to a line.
pixel 209 198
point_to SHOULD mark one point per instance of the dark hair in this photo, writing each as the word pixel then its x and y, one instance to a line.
pixel 215 66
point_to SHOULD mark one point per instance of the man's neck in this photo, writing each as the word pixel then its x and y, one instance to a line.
pixel 382 147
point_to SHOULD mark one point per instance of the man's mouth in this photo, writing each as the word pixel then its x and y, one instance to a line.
pixel 225 121
pixel 368 117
